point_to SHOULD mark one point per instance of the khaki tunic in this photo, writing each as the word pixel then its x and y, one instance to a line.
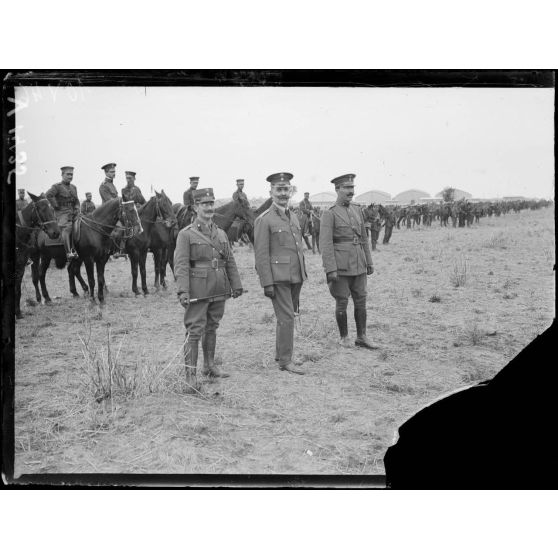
pixel 343 240
pixel 108 190
pixel 133 193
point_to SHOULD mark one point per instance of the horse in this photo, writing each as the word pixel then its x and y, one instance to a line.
pixel 93 240
pixel 38 215
pixel 184 216
pixel 158 207
pixel 225 215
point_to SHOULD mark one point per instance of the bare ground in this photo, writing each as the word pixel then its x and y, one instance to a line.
pixel 339 418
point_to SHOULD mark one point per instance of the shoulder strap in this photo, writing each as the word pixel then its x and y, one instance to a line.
pixel 200 234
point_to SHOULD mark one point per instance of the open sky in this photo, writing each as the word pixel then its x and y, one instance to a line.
pixel 490 142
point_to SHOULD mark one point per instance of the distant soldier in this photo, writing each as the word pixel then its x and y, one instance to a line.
pixel 238 194
pixel 206 277
pixel 280 265
pixel 389 223
pixel 87 206
pixel 107 189
pixel 305 207
pixel 64 199
pixel 347 259
pixel 188 197
pixel 131 192
pixel 21 202
pixel 375 225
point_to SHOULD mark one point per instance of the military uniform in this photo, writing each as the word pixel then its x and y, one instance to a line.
pixel 280 263
pixel 306 209
pixel 188 196
pixel 388 226
pixel 375 225
pixel 133 193
pixel 206 272
pixel 345 250
pixel 21 204
pixel 87 207
pixel 108 190
pixel 64 199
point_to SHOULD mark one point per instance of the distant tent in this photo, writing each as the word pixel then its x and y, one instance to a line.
pixel 372 196
pixel 323 199
pixel 457 194
pixel 410 196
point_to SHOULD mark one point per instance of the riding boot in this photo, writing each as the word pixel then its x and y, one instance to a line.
pixel 205 369
pixel 209 343
pixel 191 363
pixel 341 318
pixel 360 320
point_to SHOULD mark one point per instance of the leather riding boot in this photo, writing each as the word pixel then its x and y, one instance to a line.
pixel 341 318
pixel 360 320
pixel 205 369
pixel 209 343
pixel 191 362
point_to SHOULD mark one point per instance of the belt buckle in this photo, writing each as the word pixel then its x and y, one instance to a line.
pixel 215 263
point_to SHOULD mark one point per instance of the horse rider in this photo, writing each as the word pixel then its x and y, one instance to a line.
pixel 87 205
pixel 188 196
pixel 64 199
pixel 305 207
pixel 107 189
pixel 131 192
pixel 207 276
pixel 21 202
pixel 238 194
pixel 280 265
pixel 347 259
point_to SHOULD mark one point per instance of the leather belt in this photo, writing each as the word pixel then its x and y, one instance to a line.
pixel 214 263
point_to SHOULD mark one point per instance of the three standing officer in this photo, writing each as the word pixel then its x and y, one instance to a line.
pixel 280 264
pixel 206 276
pixel 347 259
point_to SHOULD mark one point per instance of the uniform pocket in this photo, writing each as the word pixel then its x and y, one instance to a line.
pixel 198 283
pixel 281 268
pixel 342 258
pixel 281 233
pixel 200 251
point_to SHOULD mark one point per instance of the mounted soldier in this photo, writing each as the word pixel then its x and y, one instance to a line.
pixel 347 259
pixel 64 199
pixel 107 189
pixel 239 194
pixel 131 192
pixel 21 202
pixel 206 276
pixel 188 196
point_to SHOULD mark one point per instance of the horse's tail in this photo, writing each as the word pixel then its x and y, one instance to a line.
pixel 60 261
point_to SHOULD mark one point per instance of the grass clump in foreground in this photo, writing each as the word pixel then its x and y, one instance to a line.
pixel 458 275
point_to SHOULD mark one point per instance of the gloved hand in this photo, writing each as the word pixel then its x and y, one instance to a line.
pixel 237 292
pixel 369 269
pixel 269 291
pixel 332 276
pixel 184 299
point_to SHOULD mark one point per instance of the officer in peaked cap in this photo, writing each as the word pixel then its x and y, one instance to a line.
pixel 239 194
pixel 21 202
pixel 87 205
pixel 188 196
pixel 206 276
pixel 64 199
pixel 280 265
pixel 346 258
pixel 107 189
pixel 131 192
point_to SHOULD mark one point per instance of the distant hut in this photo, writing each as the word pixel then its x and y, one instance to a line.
pixel 372 196
pixel 410 196
pixel 323 199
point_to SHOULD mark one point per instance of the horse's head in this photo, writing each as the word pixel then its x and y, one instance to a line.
pixel 129 216
pixel 43 216
pixel 164 210
pixel 244 211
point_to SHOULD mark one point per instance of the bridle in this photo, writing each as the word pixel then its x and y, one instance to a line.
pixel 35 217
pixel 100 227
pixel 159 215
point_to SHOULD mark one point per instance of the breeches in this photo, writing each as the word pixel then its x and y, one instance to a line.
pixel 203 317
pixel 348 285
pixel 285 304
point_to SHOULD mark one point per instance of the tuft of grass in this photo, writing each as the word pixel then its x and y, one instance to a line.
pixel 267 318
pixel 497 240
pixel 435 298
pixel 458 275
pixel 473 334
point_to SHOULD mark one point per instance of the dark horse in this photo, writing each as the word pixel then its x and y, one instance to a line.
pixel 159 207
pixel 248 228
pixel 93 240
pixel 38 215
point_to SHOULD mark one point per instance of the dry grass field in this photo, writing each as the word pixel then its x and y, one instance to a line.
pixel 449 308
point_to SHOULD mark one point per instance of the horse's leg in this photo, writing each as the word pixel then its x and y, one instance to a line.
pixel 43 266
pixel 21 260
pixel 77 271
pixel 157 266
pixel 89 268
pixel 134 268
pixel 35 263
pixel 164 258
pixel 100 264
pixel 72 278
pixel 142 262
